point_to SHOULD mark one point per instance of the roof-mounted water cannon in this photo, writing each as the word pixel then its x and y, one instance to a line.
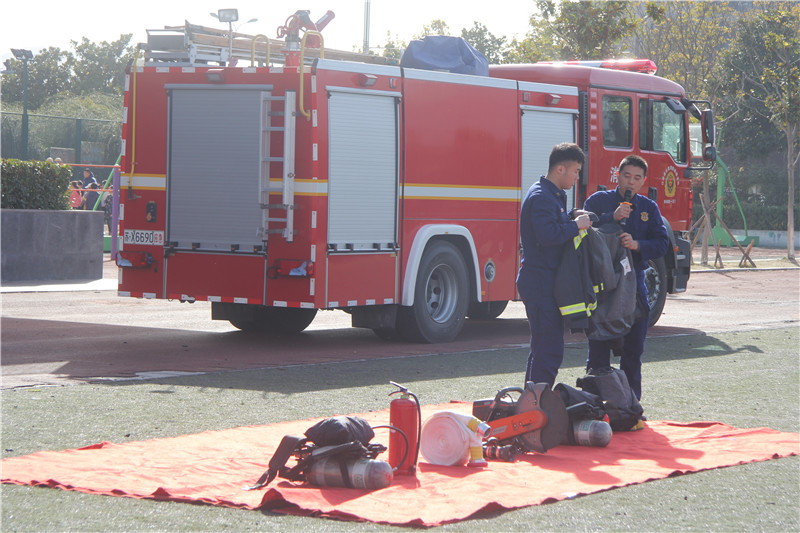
pixel 301 20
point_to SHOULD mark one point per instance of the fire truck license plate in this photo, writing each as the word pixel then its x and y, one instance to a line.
pixel 137 236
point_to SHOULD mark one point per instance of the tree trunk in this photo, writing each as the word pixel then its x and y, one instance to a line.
pixel 791 134
pixel 706 229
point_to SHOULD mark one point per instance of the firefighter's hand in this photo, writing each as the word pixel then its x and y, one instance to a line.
pixel 583 221
pixel 622 212
pixel 628 241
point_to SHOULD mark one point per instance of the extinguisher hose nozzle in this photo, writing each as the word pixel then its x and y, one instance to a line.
pixel 405 439
pixel 419 426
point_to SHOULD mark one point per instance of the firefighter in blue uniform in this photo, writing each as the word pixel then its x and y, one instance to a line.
pixel 545 226
pixel 645 235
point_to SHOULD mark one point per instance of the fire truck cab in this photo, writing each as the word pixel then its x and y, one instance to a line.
pixel 391 193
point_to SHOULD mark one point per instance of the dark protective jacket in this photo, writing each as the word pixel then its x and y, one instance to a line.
pixel 544 228
pixel 595 287
pixel 616 304
pixel 583 272
pixel 644 224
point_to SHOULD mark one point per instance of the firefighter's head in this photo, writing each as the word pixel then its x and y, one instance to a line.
pixel 566 162
pixel 632 173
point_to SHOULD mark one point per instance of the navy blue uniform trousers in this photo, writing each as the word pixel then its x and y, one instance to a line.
pixel 647 227
pixel 544 228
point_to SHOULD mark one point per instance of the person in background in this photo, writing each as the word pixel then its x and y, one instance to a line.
pixel 646 237
pixel 89 194
pixel 545 226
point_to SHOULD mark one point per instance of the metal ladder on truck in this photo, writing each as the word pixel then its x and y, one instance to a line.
pixel 286 159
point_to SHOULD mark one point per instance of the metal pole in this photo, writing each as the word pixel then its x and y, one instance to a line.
pixel 230 42
pixel 78 143
pixel 366 26
pixel 25 109
pixel 115 214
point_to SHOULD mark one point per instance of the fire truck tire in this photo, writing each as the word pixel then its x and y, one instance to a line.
pixel 655 279
pixel 386 334
pixel 486 310
pixel 244 325
pixel 440 298
pixel 277 320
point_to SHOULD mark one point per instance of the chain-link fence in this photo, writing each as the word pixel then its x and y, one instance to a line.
pixel 74 140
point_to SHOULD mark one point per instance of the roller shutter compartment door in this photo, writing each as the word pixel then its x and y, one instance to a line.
pixel 214 168
pixel 362 174
pixel 541 130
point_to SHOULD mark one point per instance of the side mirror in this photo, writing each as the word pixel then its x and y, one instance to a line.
pixel 674 105
pixel 710 153
pixel 708 126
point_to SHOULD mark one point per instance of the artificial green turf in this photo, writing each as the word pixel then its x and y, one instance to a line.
pixel 745 379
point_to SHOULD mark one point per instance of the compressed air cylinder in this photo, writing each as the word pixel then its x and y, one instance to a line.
pixel 589 433
pixel 362 473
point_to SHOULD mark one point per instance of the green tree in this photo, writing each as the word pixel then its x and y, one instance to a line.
pixel 49 74
pixel 485 42
pixel 92 68
pixel 538 45
pixel 583 30
pixel 524 51
pixel 393 49
pixel 436 27
pixel 100 67
pixel 759 77
pixel 684 39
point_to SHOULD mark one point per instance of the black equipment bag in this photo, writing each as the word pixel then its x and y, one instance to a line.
pixel 339 430
pixel 580 404
pixel 611 385
pixel 339 436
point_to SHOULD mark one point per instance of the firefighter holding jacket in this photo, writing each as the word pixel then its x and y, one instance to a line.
pixel 645 235
pixel 545 225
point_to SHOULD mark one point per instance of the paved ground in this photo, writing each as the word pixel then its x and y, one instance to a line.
pixel 82 332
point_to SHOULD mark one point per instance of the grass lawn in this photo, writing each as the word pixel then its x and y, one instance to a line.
pixel 745 379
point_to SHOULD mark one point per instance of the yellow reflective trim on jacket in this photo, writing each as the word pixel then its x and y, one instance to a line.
pixel 575 309
pixel 577 239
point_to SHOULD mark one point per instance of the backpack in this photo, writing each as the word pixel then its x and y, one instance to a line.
pixel 611 385
pixel 343 437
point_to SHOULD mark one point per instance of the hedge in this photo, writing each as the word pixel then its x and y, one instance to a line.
pixel 34 185
pixel 759 217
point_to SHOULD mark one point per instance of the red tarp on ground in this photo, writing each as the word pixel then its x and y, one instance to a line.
pixel 212 467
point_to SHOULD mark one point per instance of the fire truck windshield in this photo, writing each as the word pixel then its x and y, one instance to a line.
pixel 662 130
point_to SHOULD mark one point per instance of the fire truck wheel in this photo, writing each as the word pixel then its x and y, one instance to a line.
pixel 386 334
pixel 486 310
pixel 277 320
pixel 244 325
pixel 440 297
pixel 655 279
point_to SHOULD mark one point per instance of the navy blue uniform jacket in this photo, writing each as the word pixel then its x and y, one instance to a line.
pixel 644 224
pixel 544 227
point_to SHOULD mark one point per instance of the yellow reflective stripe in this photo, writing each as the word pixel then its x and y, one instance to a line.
pixel 573 309
pixel 578 308
pixel 579 237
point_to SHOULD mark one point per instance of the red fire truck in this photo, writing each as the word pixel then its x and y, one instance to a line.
pixel 390 193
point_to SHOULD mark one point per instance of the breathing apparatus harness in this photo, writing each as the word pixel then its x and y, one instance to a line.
pixel 345 440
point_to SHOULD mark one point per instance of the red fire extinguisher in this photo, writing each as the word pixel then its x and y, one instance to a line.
pixel 405 416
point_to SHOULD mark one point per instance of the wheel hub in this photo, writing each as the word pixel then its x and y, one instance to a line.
pixel 440 293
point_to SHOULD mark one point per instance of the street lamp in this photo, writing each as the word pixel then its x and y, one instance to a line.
pixel 230 16
pixel 24 55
